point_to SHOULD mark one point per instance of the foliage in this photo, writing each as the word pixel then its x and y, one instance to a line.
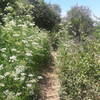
pixel 44 15
pixel 56 37
pixel 55 8
pixel 3 5
pixel 79 21
pixel 96 33
pixel 24 49
pixel 80 69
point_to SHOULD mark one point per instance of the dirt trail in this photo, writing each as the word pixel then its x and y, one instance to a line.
pixel 50 84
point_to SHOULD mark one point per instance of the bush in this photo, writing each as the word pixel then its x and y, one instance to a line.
pixel 24 49
pixel 80 71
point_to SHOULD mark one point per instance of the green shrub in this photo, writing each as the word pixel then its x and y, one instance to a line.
pixel 24 49
pixel 80 70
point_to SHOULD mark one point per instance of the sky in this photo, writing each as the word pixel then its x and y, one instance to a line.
pixel 65 5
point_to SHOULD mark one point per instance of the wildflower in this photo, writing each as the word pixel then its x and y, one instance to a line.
pixel 12 22
pixel 2 77
pixel 30 75
pixel 33 81
pixel 29 85
pixel 13 74
pixel 34 43
pixel 23 74
pixel 6 92
pixel 7 74
pixel 16 35
pixel 32 24
pixel 3 49
pixel 28 54
pixel 2 85
pixel 1 66
pixel 13 49
pixel 13 58
pixel 40 77
pixel 25 41
pixel 99 61
pixel 9 8
pixel 23 25
pixel 19 69
pixel 16 78
pixel 28 16
pixel 31 92
pixel 18 94
pixel 22 78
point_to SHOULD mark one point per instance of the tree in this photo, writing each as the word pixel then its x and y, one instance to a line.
pixel 79 21
pixel 55 8
pixel 44 15
pixel 3 5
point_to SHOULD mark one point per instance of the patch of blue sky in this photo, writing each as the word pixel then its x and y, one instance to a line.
pixel 65 5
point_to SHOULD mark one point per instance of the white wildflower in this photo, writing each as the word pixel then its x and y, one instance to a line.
pixel 34 43
pixel 20 25
pixel 3 49
pixel 5 18
pixel 13 49
pixel 12 22
pixel 1 66
pixel 7 74
pixel 23 74
pixel 23 25
pixel 6 92
pixel 29 85
pixel 99 61
pixel 25 41
pixel 30 75
pixel 13 74
pixel 28 54
pixel 22 78
pixel 2 77
pixel 2 84
pixel 9 8
pixel 18 94
pixel 33 81
pixel 12 58
pixel 16 78
pixel 19 69
pixel 40 77
pixel 28 16
pixel 32 24
pixel 16 35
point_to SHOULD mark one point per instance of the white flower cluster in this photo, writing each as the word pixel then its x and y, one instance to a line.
pixel 13 58
pixel 3 49
pixel 1 66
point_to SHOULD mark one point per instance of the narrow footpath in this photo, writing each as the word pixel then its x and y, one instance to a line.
pixel 50 84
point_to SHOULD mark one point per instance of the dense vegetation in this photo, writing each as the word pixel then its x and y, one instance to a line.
pixel 80 69
pixel 24 49
pixel 29 29
pixel 46 16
